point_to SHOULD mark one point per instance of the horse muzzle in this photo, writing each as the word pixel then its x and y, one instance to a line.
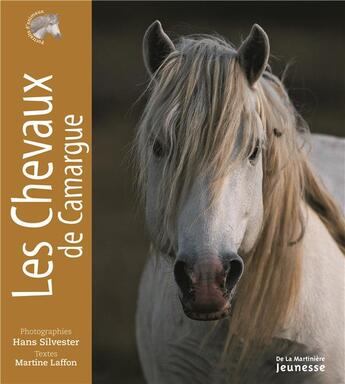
pixel 207 285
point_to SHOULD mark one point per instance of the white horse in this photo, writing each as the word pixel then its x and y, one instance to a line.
pixel 43 24
pixel 243 234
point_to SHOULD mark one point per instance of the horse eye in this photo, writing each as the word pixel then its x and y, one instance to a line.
pixel 158 149
pixel 255 153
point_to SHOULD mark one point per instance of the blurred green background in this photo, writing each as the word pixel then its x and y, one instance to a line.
pixel 308 34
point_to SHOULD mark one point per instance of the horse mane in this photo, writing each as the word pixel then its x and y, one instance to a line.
pixel 42 21
pixel 200 103
pixel 269 290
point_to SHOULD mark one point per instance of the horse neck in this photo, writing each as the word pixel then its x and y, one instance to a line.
pixel 41 33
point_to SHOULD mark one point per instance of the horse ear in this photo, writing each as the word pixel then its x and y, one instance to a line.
pixel 156 46
pixel 253 54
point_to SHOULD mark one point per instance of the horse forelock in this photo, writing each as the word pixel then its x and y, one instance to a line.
pixel 53 18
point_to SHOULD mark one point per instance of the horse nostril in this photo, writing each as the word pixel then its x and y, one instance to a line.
pixel 234 273
pixel 182 277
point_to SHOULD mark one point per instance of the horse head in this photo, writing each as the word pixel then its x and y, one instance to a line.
pixel 201 140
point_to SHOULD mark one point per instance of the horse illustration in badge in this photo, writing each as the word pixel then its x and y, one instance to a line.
pixel 43 24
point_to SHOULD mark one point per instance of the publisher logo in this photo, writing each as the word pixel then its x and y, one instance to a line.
pixel 40 24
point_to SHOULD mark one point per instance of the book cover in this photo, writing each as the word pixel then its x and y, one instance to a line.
pixel 172 192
